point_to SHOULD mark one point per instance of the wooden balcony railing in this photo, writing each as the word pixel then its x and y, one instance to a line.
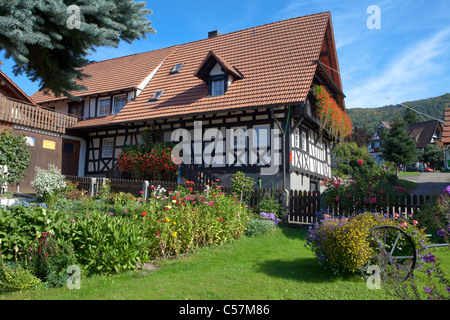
pixel 30 116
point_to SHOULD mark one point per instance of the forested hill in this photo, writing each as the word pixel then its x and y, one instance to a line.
pixel 370 117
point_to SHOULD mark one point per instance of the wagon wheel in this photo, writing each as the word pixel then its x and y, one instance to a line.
pixel 394 253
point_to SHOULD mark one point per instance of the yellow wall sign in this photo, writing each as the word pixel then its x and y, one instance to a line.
pixel 48 144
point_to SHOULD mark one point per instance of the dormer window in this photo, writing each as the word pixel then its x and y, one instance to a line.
pixel 217 74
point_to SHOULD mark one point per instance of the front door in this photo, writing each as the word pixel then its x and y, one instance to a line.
pixel 70 157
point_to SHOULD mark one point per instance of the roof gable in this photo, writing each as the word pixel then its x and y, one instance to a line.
pixel 208 64
pixel 11 90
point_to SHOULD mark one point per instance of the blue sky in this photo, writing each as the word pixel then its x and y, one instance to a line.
pixel 407 59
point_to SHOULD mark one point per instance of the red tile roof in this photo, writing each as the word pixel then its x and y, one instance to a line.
pixel 276 61
pixel 446 133
pixel 114 74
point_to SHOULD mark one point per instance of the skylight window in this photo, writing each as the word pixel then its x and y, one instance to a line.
pixel 156 96
pixel 177 68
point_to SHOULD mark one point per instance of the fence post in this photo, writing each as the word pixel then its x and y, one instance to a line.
pixel 145 189
pixel 285 205
pixel 92 186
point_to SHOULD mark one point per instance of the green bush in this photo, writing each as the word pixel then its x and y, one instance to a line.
pixel 259 227
pixel 14 277
pixel 49 183
pixel 107 244
pixel 342 244
pixel 49 260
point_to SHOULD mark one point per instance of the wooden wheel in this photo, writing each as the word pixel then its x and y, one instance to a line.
pixel 394 253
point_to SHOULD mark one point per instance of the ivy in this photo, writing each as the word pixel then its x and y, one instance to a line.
pixel 15 155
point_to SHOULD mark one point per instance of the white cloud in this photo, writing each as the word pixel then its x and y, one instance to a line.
pixel 405 77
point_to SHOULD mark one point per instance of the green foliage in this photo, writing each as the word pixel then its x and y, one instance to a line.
pixel 348 156
pixel 41 38
pixel 269 204
pixel 433 155
pixel 410 116
pixel 242 185
pixel 107 244
pixel 15 154
pixel 259 227
pixel 19 226
pixel 397 146
pixel 14 277
pixel 369 118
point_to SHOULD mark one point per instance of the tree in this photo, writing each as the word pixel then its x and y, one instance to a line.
pixel 410 116
pixel 434 155
pixel 50 40
pixel 397 146
pixel 15 155
pixel 360 136
pixel 349 156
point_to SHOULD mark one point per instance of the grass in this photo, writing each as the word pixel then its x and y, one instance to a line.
pixel 276 266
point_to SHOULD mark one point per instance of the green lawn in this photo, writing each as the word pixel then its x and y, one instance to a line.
pixel 276 266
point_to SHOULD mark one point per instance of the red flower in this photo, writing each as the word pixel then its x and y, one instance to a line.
pixel 360 162
pixel 157 233
pixel 144 213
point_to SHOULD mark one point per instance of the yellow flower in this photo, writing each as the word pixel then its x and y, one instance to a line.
pixel 174 234
pixel 174 222
pixel 168 220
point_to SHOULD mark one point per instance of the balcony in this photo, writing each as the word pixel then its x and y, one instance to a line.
pixel 33 117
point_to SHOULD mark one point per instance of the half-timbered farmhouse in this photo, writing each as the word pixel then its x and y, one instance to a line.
pixel 243 101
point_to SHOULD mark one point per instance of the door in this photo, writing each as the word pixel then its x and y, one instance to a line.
pixel 70 157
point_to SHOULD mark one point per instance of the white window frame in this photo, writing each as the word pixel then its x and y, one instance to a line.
pixel 297 138
pixel 99 113
pixel 304 137
pixel 217 90
pixel 115 111
pixel 108 148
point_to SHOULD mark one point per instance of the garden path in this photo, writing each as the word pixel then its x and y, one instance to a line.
pixel 430 183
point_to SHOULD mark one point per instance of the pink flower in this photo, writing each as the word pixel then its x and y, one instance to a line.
pixel 403 224
pixel 415 222
pixel 396 215
pixel 337 199
pixel 360 162
pixel 349 195
pixel 356 203
pixel 373 200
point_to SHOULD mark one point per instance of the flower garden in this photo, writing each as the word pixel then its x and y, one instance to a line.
pixel 111 233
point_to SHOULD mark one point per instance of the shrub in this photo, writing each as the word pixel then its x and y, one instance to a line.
pixel 15 155
pixel 342 244
pixel 242 186
pixel 105 244
pixel 259 227
pixel 49 260
pixel 14 277
pixel 49 183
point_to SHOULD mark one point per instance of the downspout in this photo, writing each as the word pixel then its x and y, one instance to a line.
pixel 283 146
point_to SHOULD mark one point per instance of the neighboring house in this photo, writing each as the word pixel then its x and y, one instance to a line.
pixel 446 137
pixel 374 146
pixel 43 129
pixel 241 86
pixel 425 133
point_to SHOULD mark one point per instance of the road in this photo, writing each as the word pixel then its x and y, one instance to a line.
pixel 430 182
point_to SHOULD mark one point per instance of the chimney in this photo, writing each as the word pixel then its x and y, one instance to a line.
pixel 213 34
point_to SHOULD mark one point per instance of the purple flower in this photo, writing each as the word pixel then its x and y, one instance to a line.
pixel 429 258
pixel 447 190
pixel 427 289
pixel 441 233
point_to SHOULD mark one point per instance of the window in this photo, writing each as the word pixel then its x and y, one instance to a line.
pixel 304 140
pixel 104 107
pixel 76 109
pixel 119 103
pixel 156 96
pixel 177 68
pixel 217 87
pixel 108 148
pixel 297 138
